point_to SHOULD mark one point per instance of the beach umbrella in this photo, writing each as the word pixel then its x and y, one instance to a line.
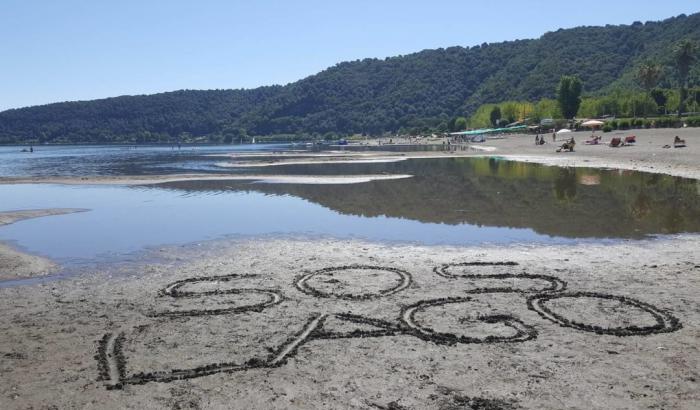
pixel 563 131
pixel 593 123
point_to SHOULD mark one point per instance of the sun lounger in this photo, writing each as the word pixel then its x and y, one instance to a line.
pixel 630 140
pixel 616 142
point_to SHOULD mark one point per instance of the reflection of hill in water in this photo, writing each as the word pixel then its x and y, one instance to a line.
pixel 565 202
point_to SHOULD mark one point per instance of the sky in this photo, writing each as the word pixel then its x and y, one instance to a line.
pixel 65 50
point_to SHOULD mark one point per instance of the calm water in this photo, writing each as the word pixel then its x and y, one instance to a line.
pixel 447 201
pixel 81 160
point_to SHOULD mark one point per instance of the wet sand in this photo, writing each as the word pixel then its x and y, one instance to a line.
pixel 15 264
pixel 161 179
pixel 280 324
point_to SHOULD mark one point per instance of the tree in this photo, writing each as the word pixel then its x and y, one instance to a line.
pixel 495 116
pixel 569 95
pixel 460 124
pixel 684 57
pixel 649 74
pixel 659 97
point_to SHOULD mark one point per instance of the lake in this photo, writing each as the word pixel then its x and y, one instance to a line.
pixel 454 201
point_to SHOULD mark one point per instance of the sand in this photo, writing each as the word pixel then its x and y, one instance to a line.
pixel 357 325
pixel 15 264
pixel 646 155
pixel 317 160
pixel 160 179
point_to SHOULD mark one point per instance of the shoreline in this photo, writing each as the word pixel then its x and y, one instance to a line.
pixel 647 155
pixel 15 264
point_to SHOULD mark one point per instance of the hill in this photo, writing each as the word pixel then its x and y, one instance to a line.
pixel 423 90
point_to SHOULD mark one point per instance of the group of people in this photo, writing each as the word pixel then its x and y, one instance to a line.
pixel 568 145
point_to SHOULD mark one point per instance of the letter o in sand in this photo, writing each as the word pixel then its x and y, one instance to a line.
pixel 664 321
pixel 520 332
pixel 354 282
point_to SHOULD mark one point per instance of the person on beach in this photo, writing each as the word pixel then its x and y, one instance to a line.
pixel 554 136
pixel 567 145
pixel 537 139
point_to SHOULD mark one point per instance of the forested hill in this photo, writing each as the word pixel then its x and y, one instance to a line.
pixel 421 90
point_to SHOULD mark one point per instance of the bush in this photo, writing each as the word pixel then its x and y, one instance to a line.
pixel 607 128
pixel 693 121
pixel 667 122
pixel 613 124
pixel 624 125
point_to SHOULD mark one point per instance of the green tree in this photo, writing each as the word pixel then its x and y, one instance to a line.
pixel 546 108
pixel 649 74
pixel 569 95
pixel 495 115
pixel 659 97
pixel 684 57
pixel 460 124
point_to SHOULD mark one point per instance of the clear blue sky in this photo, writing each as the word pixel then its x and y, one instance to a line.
pixel 58 50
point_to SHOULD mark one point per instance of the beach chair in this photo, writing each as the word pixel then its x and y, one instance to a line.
pixel 630 140
pixel 678 143
pixel 593 141
pixel 616 142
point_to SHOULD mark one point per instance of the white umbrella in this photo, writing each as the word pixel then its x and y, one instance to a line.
pixel 593 123
pixel 563 131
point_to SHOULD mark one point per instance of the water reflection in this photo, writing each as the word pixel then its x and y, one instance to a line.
pixel 568 202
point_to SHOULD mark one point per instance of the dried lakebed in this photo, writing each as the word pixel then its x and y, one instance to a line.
pixel 351 324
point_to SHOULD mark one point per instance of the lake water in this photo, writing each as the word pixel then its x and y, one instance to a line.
pixel 459 201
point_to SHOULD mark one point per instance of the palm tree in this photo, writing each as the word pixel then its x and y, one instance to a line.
pixel 648 75
pixel 684 57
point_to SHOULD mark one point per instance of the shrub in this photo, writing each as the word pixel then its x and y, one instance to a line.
pixel 668 122
pixel 693 121
pixel 607 128
pixel 624 124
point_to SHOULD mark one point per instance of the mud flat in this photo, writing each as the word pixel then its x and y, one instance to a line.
pixel 322 323
pixel 159 179
pixel 15 264
pixel 311 161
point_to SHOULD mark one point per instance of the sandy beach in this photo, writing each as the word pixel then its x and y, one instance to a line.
pixel 298 323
